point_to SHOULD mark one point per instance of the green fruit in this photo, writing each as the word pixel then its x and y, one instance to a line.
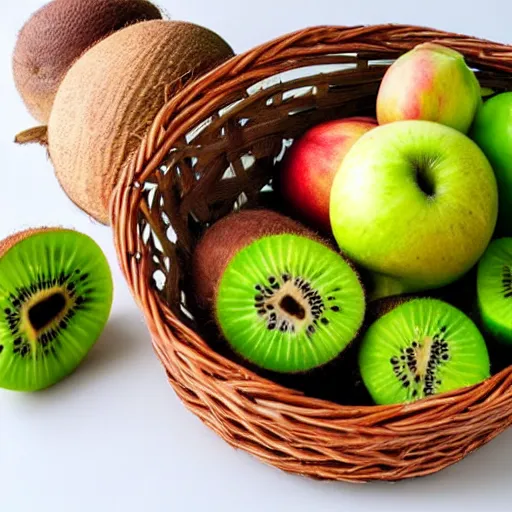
pixel 494 289
pixel 289 304
pixel 421 348
pixel 415 203
pixel 492 131
pixel 55 299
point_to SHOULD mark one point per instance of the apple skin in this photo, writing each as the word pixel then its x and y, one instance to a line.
pixel 408 239
pixel 431 83
pixel 309 167
pixel 492 131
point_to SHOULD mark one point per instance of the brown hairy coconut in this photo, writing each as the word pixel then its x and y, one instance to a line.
pixel 110 97
pixel 58 34
pixel 227 237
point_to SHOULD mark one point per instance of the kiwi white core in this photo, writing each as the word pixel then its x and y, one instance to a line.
pixel 290 304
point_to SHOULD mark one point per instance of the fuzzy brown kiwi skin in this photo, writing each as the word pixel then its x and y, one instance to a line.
pixel 15 238
pixel 380 307
pixel 57 34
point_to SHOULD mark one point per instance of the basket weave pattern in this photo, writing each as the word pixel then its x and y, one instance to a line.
pixel 211 150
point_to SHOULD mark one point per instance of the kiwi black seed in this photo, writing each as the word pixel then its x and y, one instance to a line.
pixel 55 299
pixel 284 300
pixel 494 289
pixel 421 348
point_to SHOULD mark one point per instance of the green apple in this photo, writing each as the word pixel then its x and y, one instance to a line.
pixel 414 202
pixel 492 131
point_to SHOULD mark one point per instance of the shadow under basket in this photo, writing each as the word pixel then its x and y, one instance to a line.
pixel 214 148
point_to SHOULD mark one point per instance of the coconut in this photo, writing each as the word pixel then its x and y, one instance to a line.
pixel 110 97
pixel 57 34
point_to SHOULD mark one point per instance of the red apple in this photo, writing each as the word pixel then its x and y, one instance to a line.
pixel 310 165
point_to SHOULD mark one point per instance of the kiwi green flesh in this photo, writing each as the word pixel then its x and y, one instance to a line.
pixel 289 304
pixel 494 289
pixel 55 298
pixel 421 348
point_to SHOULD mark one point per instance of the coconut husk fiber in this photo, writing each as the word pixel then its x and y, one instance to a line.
pixel 111 95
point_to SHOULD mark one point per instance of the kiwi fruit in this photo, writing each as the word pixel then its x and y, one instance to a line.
pixel 282 298
pixel 226 237
pixel 112 94
pixel 57 34
pixel 494 289
pixel 55 299
pixel 420 348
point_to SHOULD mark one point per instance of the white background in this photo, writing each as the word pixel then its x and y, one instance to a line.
pixel 114 436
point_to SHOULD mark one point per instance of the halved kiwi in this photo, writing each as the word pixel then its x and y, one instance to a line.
pixel 283 299
pixel 289 304
pixel 494 289
pixel 56 293
pixel 421 348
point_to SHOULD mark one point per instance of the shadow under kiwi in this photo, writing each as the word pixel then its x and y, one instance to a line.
pixel 118 342
pixel 338 381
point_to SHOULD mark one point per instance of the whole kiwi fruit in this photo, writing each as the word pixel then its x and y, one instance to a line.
pixel 57 34
pixel 111 95
pixel 56 292
pixel 283 299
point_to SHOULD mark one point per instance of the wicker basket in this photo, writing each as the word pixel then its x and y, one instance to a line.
pixel 211 150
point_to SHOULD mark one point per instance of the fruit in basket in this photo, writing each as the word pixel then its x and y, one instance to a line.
pixel 57 34
pixel 415 203
pixel 421 348
pixel 110 97
pixel 494 289
pixel 309 167
pixel 55 300
pixel 431 82
pixel 492 131
pixel 282 298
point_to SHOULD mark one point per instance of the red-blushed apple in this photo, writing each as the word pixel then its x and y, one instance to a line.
pixel 432 83
pixel 309 167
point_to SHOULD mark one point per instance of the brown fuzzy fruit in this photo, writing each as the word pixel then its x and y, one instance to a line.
pixel 58 34
pixel 110 97
pixel 13 239
pixel 287 302
pixel 227 237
